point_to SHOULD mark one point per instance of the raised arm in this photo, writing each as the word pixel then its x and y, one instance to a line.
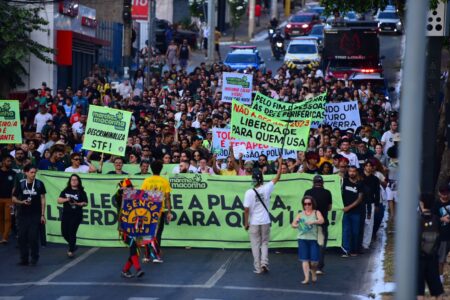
pixel 277 177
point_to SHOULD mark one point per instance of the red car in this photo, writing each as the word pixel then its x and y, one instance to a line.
pixel 301 24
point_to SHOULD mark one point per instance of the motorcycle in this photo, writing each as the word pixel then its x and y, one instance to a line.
pixel 278 50
pixel 271 31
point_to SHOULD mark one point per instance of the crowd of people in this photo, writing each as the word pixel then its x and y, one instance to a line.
pixel 173 115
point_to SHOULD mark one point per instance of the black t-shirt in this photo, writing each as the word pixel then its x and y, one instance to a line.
pixel 78 196
pixel 7 179
pixel 32 191
pixel 162 150
pixel 323 200
pixel 350 193
pixel 442 209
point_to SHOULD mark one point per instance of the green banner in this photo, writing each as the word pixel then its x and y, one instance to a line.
pixel 107 130
pixel 253 126
pixel 207 213
pixel 132 168
pixel 10 131
pixel 313 109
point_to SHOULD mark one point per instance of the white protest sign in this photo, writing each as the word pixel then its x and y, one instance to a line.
pixel 239 149
pixel 237 86
pixel 342 115
pixel 222 141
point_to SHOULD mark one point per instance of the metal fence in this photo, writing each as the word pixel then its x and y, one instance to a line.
pixel 111 56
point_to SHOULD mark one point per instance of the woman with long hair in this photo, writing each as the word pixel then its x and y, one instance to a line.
pixel 73 198
pixel 308 233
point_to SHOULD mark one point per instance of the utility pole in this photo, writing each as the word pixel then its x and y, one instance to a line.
pixel 411 117
pixel 151 34
pixel 251 18
pixel 211 28
pixel 287 8
pixel 127 33
pixel 274 9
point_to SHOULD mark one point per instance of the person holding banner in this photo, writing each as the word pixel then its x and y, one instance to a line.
pixel 161 188
pixel 257 218
pixel 73 198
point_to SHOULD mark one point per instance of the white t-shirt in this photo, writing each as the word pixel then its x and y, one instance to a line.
pixel 78 128
pixel 352 158
pixel 40 120
pixel 257 213
pixel 388 140
pixel 80 169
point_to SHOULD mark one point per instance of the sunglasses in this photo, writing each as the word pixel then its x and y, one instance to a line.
pixel 307 203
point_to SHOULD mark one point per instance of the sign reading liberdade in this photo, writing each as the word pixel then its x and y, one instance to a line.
pixel 250 125
pixel 10 131
pixel 107 130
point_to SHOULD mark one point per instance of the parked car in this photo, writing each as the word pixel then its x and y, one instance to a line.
pixel 243 57
pixel 178 35
pixel 301 24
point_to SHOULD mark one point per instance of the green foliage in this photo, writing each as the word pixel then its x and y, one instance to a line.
pixel 16 25
pixel 360 6
pixel 238 9
pixel 196 8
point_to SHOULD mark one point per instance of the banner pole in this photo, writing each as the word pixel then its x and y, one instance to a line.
pixel 285 134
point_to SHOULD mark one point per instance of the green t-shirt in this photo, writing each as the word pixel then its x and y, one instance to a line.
pixel 307 232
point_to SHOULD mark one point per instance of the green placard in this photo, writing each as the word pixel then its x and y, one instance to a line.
pixel 251 125
pixel 107 130
pixel 207 212
pixel 313 108
pixel 10 130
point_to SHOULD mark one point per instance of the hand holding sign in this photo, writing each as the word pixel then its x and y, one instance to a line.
pixel 239 150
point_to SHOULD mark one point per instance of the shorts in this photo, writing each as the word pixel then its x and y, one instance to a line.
pixel 444 248
pixel 308 250
pixel 391 195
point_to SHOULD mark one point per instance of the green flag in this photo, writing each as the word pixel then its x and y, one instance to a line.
pixel 250 125
pixel 107 130
pixel 10 131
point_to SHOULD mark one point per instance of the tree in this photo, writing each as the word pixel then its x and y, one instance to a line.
pixel 197 8
pixel 237 10
pixel 17 22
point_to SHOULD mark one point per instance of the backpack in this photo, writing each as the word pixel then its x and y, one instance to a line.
pixel 429 234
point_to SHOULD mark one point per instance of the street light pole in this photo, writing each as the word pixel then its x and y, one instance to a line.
pixel 211 28
pixel 274 9
pixel 411 118
pixel 251 18
pixel 151 30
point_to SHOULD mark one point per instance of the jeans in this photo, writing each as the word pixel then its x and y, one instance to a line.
pixel 350 231
pixel 259 240
pixel 377 219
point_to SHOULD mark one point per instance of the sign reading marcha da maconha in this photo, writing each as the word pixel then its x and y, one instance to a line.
pixel 237 86
pixel 107 130
pixel 250 125
pixel 206 211
pixel 310 109
pixel 10 131
pixel 222 141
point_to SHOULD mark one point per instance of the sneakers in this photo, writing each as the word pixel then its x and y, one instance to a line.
pixel 265 268
pixel 70 254
pixel 146 260
pixel 257 271
pixel 127 274
pixel 345 253
pixel 140 273
pixel 319 272
pixel 158 260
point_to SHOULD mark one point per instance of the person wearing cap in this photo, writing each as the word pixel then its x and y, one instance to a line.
pixel 257 218
pixel 324 202
pixel 442 209
pixel 245 168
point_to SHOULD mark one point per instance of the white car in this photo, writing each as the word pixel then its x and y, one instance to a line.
pixel 302 51
pixel 389 21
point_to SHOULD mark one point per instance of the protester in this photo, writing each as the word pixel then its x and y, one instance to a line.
pixel 77 167
pixel 442 209
pixel 159 187
pixel 7 180
pixel 371 202
pixel 30 198
pixel 323 203
pixel 308 222
pixel 118 165
pixel 257 218
pixel 73 198
pixel 352 196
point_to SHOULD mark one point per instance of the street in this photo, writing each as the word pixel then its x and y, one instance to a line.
pixel 193 273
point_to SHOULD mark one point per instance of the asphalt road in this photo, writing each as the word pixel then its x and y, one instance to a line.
pixel 191 273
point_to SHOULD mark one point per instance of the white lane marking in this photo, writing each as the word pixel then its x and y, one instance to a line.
pixel 11 297
pixel 73 298
pixel 142 298
pixel 68 266
pixel 206 299
pixel 182 286
pixel 222 270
